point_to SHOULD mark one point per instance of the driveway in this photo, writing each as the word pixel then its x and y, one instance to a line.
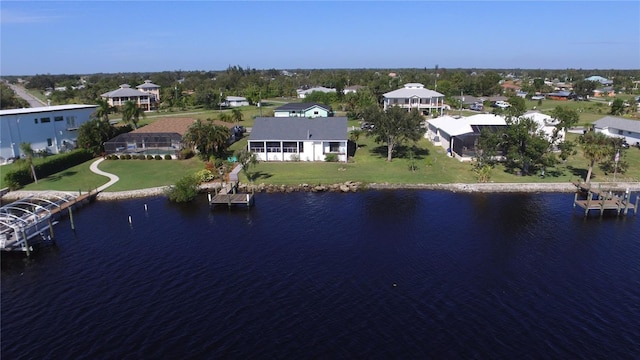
pixel 33 101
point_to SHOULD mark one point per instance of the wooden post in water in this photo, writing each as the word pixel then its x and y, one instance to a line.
pixel 73 226
pixel 51 229
pixel 586 209
pixel 229 199
pixel 602 207
pixel 575 199
pixel 635 209
pixel 26 243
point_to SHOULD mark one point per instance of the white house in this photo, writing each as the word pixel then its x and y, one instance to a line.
pixel 546 124
pixel 619 127
pixel 308 110
pixel 415 96
pixel 48 128
pixel 151 89
pixel 459 136
pixel 125 93
pixel 298 139
pixel 352 89
pixel 303 93
pixel 235 101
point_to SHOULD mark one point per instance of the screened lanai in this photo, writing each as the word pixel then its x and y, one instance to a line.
pixel 145 144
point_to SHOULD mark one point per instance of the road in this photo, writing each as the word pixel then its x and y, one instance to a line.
pixel 33 101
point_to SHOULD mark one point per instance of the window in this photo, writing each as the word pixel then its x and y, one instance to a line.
pixel 273 146
pixel 289 147
pixel 71 122
pixel 315 112
pixel 49 142
pixel 620 132
pixel 35 121
pixel 45 120
pixel 301 147
pixel 334 147
pixel 58 118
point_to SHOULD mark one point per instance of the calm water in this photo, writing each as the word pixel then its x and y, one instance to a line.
pixel 378 274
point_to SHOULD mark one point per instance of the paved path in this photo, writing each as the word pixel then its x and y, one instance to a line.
pixel 112 178
pixel 33 101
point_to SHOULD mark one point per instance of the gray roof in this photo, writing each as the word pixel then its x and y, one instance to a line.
pixel 618 123
pixel 300 107
pixel 42 109
pixel 296 128
pixel 124 91
pixel 148 85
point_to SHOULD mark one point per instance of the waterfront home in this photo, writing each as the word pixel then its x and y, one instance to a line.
pixel 459 135
pixel 415 96
pixel 308 110
pixel 151 89
pixel 119 97
pixel 49 129
pixel 546 124
pixel 619 127
pixel 298 139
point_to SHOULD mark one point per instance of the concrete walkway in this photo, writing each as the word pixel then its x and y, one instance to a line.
pixel 112 178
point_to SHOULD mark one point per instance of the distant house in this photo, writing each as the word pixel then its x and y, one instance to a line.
pixel 459 136
pixel 303 93
pixel 125 93
pixel 559 95
pixel 150 88
pixel 546 124
pixel 352 89
pixel 600 79
pixel 52 129
pixel 235 101
pixel 606 91
pixel 619 127
pixel 510 86
pixel 308 110
pixel 298 139
pixel 415 96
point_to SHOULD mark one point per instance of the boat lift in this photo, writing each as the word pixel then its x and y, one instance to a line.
pixel 30 220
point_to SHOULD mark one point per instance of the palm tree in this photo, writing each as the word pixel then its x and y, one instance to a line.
pixel 226 117
pixel 131 113
pixel 27 150
pixel 104 109
pixel 247 159
pixel 236 115
pixel 596 147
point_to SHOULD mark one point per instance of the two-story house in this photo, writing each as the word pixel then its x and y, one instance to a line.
pixel 415 96
pixel 146 98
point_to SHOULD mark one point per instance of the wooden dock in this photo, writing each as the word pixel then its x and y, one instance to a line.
pixel 602 200
pixel 228 195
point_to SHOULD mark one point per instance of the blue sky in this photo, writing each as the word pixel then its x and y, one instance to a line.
pixel 147 36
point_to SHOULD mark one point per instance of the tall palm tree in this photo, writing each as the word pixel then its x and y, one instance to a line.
pixel 104 109
pixel 131 113
pixel 596 147
pixel 27 150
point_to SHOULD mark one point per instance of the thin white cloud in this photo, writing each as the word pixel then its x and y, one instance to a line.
pixel 16 17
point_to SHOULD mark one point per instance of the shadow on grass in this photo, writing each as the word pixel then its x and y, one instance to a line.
pixel 401 152
pixel 59 176
pixel 581 173
pixel 260 175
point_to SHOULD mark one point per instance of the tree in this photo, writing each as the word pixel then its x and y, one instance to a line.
pixel 185 189
pixel 584 88
pixel 617 107
pixel 394 126
pixel 9 100
pixel 131 113
pixel 354 136
pixel 27 151
pixel 596 148
pixel 236 115
pixel 104 109
pixel 526 147
pixel 94 133
pixel 247 159
pixel 207 138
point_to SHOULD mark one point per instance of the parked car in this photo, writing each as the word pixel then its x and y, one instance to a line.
pixel 537 97
pixel 476 107
pixel 625 145
pixel 500 104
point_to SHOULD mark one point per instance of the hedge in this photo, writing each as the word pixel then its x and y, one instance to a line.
pixel 51 165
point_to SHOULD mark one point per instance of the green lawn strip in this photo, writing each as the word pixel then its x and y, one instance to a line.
pixel 141 174
pixel 77 178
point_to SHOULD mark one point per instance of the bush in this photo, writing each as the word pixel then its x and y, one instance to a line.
pixel 331 158
pixel 167 157
pixel 128 157
pixel 158 157
pixel 186 154
pixel 185 190
pixel 50 166
pixel 142 157
pixel 149 157
pixel 204 175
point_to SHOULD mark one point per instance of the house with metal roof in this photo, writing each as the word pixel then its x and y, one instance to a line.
pixel 459 135
pixel 51 129
pixel 235 101
pixel 619 127
pixel 308 110
pixel 150 88
pixel 600 79
pixel 125 93
pixel 415 96
pixel 298 139
pixel 302 93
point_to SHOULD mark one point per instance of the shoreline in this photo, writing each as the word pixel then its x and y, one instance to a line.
pixel 352 187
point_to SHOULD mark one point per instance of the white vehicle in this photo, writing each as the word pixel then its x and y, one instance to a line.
pixel 502 104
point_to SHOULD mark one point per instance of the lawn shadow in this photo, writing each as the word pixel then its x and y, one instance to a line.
pixel 59 176
pixel 581 173
pixel 259 175
pixel 401 152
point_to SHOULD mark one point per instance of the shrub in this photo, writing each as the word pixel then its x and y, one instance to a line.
pixel 331 158
pixel 186 154
pixel 204 175
pixel 128 157
pixel 149 157
pixel 295 157
pixel 167 157
pixel 185 190
pixel 52 165
pixel 158 157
